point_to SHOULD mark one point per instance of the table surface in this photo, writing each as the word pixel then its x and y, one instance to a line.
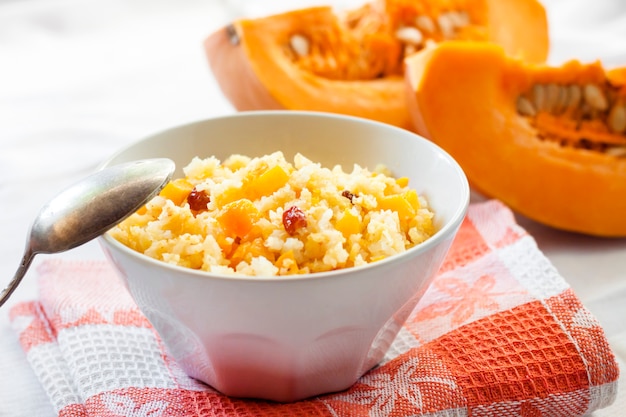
pixel 80 79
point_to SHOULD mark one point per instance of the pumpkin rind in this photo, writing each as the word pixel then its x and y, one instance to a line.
pixel 462 96
pixel 520 27
pixel 235 75
pixel 255 68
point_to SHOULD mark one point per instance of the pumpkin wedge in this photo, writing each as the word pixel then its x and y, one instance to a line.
pixel 549 141
pixel 350 62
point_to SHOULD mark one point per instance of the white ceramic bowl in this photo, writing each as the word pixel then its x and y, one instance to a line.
pixel 281 338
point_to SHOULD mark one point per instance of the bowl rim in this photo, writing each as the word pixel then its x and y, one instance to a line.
pixel 446 230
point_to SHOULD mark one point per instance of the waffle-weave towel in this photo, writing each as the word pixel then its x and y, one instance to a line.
pixel 498 333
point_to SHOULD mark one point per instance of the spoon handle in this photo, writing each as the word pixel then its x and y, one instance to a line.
pixel 27 259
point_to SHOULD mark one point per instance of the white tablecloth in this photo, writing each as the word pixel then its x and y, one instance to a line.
pixel 81 78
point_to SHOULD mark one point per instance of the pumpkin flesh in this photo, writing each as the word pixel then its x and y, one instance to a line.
pixel 562 164
pixel 351 62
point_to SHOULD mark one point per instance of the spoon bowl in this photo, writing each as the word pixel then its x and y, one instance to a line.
pixel 90 207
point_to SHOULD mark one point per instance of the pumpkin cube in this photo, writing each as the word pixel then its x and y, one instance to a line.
pixel 268 182
pixel 413 199
pixel 177 190
pixel 287 263
pixel 228 196
pixel 248 250
pixel 314 249
pixel 399 204
pixel 348 224
pixel 402 182
pixel 238 217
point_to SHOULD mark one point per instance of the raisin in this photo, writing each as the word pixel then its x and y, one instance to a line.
pixel 347 194
pixel 198 200
pixel 293 219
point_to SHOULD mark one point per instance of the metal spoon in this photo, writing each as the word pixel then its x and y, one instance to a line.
pixel 90 207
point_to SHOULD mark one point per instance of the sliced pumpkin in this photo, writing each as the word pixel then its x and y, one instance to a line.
pixel 351 62
pixel 549 141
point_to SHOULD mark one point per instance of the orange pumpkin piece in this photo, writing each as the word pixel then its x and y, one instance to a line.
pixel 238 217
pixel 228 196
pixel 400 203
pixel 247 250
pixel 348 224
pixel 177 190
pixel 549 141
pixel 265 184
pixel 351 62
pixel 287 263
pixel 402 182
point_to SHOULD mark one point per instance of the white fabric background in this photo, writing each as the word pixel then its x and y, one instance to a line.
pixel 81 78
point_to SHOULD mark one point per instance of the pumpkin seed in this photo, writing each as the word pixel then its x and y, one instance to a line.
pixel 574 95
pixel 619 151
pixel 459 19
pixel 430 43
pixel 233 36
pixel 410 50
pixel 563 99
pixel 539 97
pixel 552 97
pixel 410 35
pixel 446 26
pixel 299 44
pixel 594 97
pixel 617 118
pixel 425 23
pixel 525 107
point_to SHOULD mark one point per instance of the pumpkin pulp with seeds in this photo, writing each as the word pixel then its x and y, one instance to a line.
pixel 547 141
pixel 585 110
pixel 351 62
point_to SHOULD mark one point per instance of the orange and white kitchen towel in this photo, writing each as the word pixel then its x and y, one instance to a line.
pixel 499 333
